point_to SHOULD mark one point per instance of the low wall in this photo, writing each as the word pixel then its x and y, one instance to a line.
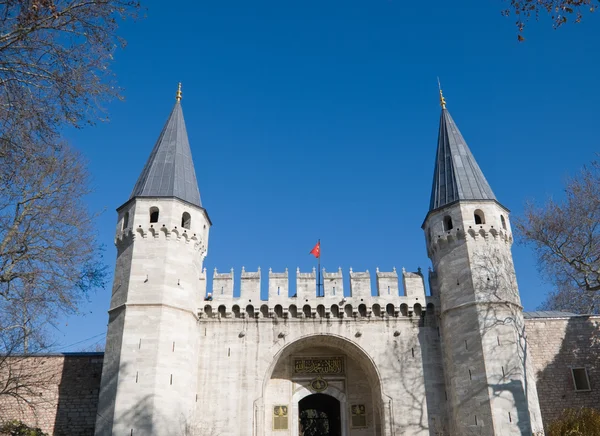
pixel 57 393
pixel 555 346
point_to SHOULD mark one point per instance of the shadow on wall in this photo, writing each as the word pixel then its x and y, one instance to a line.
pixel 417 361
pixel 78 394
pixel 433 372
pixel 565 351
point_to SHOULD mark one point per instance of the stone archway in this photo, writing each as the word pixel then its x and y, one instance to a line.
pixel 303 393
pixel 319 415
pixel 359 380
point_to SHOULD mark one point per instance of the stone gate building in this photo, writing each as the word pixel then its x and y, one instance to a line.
pixel 184 359
pixel 185 356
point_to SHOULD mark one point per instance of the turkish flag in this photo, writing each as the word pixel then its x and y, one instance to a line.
pixel 316 251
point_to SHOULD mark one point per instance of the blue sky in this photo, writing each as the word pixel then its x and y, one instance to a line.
pixel 318 119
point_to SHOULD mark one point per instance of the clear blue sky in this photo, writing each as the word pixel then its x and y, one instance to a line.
pixel 318 119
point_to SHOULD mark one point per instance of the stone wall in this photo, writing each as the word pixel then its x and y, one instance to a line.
pixel 59 393
pixel 555 346
pixel 64 388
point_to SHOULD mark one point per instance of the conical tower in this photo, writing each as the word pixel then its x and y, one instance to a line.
pixel 490 387
pixel 150 367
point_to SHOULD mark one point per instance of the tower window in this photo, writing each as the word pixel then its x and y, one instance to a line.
pixel 186 220
pixel 581 381
pixel 479 217
pixel 503 221
pixel 448 223
pixel 125 220
pixel 154 214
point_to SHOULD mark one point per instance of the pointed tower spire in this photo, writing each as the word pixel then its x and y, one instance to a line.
pixel 457 175
pixel 169 171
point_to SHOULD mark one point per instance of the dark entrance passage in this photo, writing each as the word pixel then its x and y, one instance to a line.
pixel 320 416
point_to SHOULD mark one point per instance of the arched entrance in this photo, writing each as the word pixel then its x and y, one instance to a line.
pixel 319 416
pixel 314 372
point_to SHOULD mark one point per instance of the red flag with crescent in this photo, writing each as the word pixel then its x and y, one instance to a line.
pixel 316 251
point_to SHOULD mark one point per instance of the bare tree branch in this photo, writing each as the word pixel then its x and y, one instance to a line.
pixel 559 11
pixel 565 236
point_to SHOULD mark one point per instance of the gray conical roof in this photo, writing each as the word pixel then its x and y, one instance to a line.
pixel 169 171
pixel 457 175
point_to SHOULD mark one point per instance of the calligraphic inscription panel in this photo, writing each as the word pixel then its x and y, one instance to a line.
pixel 319 365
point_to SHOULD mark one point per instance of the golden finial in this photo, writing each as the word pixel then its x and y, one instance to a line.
pixel 178 95
pixel 442 99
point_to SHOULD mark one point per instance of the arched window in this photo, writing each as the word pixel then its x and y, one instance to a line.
pixel 154 214
pixel 321 311
pixel 307 311
pixel 479 217
pixel 125 220
pixel 503 221
pixel 335 311
pixel 362 310
pixel 279 311
pixel 250 311
pixel 264 310
pixel 448 223
pixel 186 220
pixel 293 310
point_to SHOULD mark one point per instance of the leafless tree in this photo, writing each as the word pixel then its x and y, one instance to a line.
pixel 559 11
pixel 55 58
pixel 49 257
pixel 566 238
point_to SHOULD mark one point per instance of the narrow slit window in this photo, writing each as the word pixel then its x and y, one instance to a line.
pixel 125 220
pixel 479 217
pixel 448 223
pixel 186 220
pixel 503 221
pixel 154 214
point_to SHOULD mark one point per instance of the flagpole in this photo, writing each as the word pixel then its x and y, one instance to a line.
pixel 319 282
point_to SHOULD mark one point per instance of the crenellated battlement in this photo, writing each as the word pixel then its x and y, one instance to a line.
pixel 310 301
pixel 152 232
pixel 448 238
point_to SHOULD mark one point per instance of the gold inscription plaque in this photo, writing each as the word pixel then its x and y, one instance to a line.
pixel 280 417
pixel 319 365
pixel 359 415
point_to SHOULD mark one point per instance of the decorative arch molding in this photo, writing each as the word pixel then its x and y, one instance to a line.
pixel 329 340
pixel 335 342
